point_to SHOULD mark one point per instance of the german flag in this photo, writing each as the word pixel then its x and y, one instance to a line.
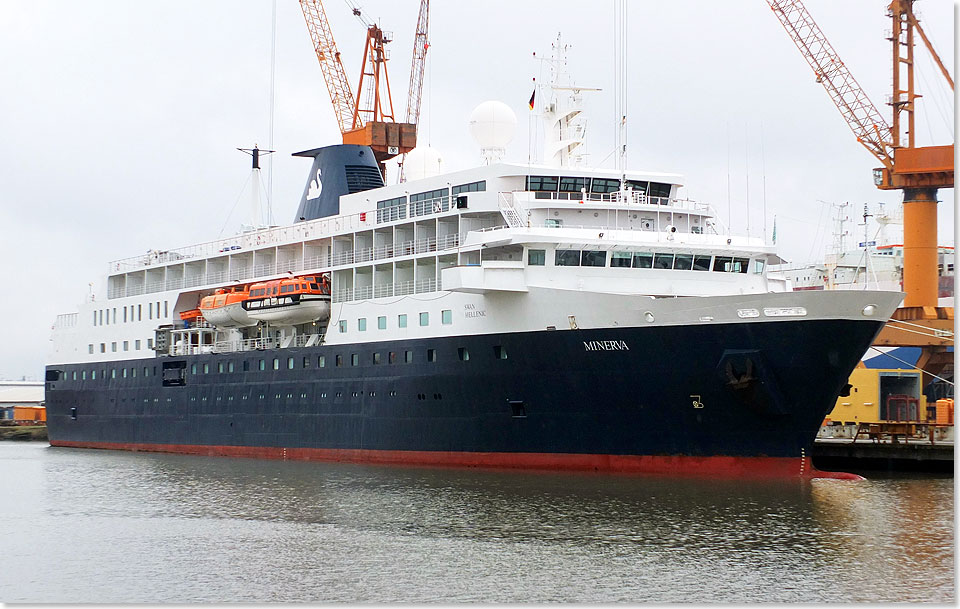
pixel 532 96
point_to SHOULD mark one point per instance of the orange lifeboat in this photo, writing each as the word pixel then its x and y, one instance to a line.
pixel 291 301
pixel 224 308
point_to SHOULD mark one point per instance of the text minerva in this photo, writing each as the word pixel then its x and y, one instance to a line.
pixel 606 345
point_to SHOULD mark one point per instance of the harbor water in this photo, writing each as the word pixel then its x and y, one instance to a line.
pixel 94 526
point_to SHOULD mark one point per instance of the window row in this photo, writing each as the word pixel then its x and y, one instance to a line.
pixel 645 260
pixel 593 185
pixel 131 313
pixel 446 318
pixel 113 346
pixel 276 363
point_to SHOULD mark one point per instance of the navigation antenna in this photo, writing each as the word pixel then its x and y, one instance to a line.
pixel 255 220
pixel 565 126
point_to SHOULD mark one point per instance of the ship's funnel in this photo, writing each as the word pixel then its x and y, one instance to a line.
pixel 337 170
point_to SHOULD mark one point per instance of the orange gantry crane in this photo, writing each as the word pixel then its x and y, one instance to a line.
pixel 917 171
pixel 367 119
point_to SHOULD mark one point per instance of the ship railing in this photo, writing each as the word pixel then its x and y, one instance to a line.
pixel 383 290
pixel 627 198
pixel 211 277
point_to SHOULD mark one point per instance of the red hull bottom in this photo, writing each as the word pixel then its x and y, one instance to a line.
pixel 703 467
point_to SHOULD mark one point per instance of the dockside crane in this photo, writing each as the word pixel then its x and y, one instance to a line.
pixel 366 119
pixel 917 171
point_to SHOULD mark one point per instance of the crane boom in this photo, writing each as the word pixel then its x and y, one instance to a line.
pixel 863 118
pixel 331 66
pixel 420 46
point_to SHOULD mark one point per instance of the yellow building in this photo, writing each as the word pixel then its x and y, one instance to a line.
pixel 881 395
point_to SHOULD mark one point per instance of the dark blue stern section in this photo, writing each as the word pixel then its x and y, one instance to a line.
pixel 337 170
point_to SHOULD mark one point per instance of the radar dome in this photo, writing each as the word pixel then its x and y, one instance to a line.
pixel 492 125
pixel 422 162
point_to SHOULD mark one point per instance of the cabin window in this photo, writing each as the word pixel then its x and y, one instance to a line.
pixel 758 266
pixel 93 375
pixel 701 263
pixel 150 310
pixel 463 354
pixel 306 362
pixel 193 369
pixel 246 366
pixel 230 367
pixel 139 312
pixel 362 324
pixel 75 375
pixel 126 345
pixel 740 265
pixel 103 347
pixel 536 257
pixel 683 262
pixel 166 312
pixel 376 358
pixel 392 357
pixel 124 314
pixel 262 365
pixel 446 317
pixel 94 318
pixel 402 320
pixel 276 363
pixel 620 259
pixel 206 368
pixel 382 322
pixel 101 316
pixel 722 264
pixel 220 367
pixel 567 258
pixel 149 343
pixel 146 371
pixel 321 361
pixel 663 261
pixel 593 258
pixel 339 361
pixel 113 347
pixel 424 319
pixel 343 326
pixel 553 222
pixel 354 359
pixel 499 352
pixel 471 187
pixel 289 363
pixel 431 355
pixel 90 348
pixel 113 373
pixel 408 357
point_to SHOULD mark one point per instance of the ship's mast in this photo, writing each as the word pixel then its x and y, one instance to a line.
pixel 565 127
pixel 255 217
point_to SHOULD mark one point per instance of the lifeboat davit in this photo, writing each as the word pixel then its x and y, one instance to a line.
pixel 288 302
pixel 224 309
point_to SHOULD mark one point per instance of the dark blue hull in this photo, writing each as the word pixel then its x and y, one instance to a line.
pixel 725 390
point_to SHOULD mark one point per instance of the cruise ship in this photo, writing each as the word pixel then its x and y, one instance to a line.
pixel 537 316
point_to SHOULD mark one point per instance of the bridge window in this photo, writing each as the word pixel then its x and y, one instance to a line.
pixel 722 264
pixel 643 261
pixel 638 185
pixel 701 263
pixel 658 189
pixel 572 184
pixel 542 183
pixel 536 257
pixel 604 185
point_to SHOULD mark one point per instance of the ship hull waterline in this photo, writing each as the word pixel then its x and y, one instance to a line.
pixel 731 399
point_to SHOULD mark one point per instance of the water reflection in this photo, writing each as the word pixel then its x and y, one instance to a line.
pixel 290 531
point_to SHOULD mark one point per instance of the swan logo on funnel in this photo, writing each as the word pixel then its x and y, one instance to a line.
pixel 316 187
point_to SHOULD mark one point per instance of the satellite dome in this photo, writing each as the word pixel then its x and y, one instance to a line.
pixel 422 162
pixel 492 125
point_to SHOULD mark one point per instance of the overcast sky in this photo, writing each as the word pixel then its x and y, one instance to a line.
pixel 120 120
